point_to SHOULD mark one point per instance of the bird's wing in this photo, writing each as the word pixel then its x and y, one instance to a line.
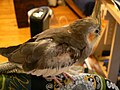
pixel 45 54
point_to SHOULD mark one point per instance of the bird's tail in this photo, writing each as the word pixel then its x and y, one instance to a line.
pixel 9 67
pixel 5 51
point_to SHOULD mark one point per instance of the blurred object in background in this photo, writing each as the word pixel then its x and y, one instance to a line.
pixel 86 6
pixel 93 64
pixel 61 2
pixel 39 19
pixel 63 21
pixel 22 7
pixel 116 4
pixel 52 3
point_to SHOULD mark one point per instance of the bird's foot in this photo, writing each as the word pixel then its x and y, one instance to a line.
pixel 61 79
pixel 67 76
pixel 56 79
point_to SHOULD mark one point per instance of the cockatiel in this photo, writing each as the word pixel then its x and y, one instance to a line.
pixel 49 53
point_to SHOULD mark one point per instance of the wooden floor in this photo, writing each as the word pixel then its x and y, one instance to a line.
pixel 11 35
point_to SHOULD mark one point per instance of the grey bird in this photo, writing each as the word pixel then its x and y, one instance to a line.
pixel 52 51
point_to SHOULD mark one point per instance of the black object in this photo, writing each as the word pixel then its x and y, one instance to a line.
pixel 86 6
pixel 106 64
pixel 117 2
pixel 86 70
pixel 39 20
pixel 106 53
pixel 40 83
pixel 22 7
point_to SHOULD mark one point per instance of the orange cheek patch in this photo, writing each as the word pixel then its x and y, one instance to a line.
pixel 91 36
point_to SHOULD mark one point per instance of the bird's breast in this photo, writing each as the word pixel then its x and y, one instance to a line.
pixel 49 72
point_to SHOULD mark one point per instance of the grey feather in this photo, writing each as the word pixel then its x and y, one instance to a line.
pixel 10 68
pixel 6 51
pixel 55 49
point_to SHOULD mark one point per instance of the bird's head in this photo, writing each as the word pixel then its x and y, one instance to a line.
pixel 95 29
pixel 87 29
pixel 92 32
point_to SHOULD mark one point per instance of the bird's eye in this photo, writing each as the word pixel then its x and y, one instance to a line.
pixel 96 31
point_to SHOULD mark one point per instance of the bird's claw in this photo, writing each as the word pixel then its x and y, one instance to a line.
pixel 56 79
pixel 59 79
pixel 67 76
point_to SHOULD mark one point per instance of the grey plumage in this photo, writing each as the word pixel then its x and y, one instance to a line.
pixel 10 68
pixel 54 49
